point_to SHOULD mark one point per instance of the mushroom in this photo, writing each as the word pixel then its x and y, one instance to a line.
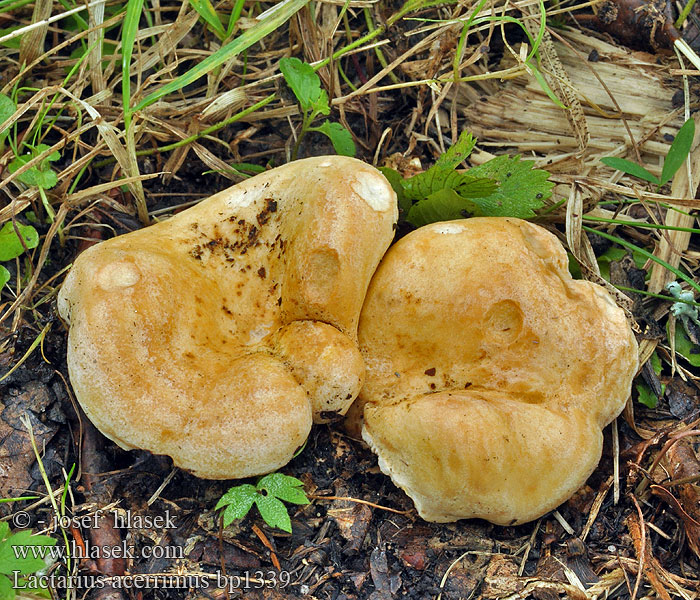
pixel 217 336
pixel 490 371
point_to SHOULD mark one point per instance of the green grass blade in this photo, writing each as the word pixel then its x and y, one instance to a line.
pixel 130 28
pixel 677 272
pixel 282 13
pixel 679 150
pixel 207 12
pixel 627 166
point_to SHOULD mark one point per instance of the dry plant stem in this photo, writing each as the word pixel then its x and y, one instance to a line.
pixel 684 184
pixel 358 501
pixel 103 536
pixel 33 41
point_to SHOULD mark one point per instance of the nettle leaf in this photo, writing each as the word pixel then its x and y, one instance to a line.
pixel 340 137
pixel 629 167
pixel 456 154
pixel 521 189
pixel 10 244
pixel 40 175
pixel 7 109
pixel 442 175
pixel 16 552
pixel 443 205
pixel 679 150
pixel 284 487
pixel 305 84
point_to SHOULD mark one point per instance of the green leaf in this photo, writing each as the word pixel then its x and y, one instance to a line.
pixel 340 137
pixel 284 487
pixel 283 11
pixel 207 12
pixel 4 531
pixel 40 175
pixel 4 276
pixel 6 590
pixel 274 513
pixel 627 166
pixel 456 154
pixel 545 86
pixel 443 205
pixel 396 181
pixel 679 150
pixel 306 85
pixel 10 243
pixel 685 347
pixel 7 109
pixel 238 501
pixel 521 189
pixel 646 396
pixel 12 559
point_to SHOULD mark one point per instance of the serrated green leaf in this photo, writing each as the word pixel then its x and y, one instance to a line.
pixel 284 487
pixel 679 150
pixel 7 109
pixel 521 189
pixel 10 244
pixel 207 12
pixel 443 205
pixel 6 590
pixel 396 181
pixel 684 346
pixel 340 137
pixel 629 167
pixel 273 512
pixel 305 84
pixel 442 175
pixel 4 276
pixel 12 558
pixel 456 154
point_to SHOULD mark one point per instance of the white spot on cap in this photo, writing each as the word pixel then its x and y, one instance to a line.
pixel 240 197
pixel 325 163
pixel 118 275
pixel 373 189
pixel 448 228
pixel 260 332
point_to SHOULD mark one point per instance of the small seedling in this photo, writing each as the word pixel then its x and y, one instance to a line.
pixel 503 187
pixel 11 246
pixel 20 554
pixel 267 495
pixel 40 175
pixel 313 101
pixel 677 153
